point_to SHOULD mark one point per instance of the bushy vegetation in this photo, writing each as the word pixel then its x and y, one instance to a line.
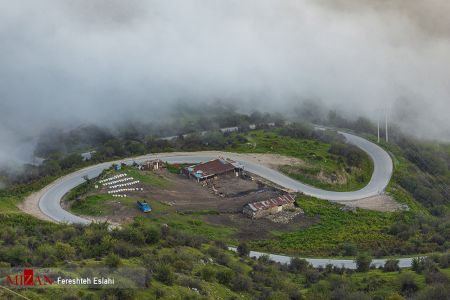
pixel 424 191
pixel 336 231
pixel 185 257
pixel 421 180
pixel 380 233
pixel 178 265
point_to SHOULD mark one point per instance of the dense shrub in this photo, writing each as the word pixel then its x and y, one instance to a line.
pixel 241 283
pixel 208 273
pixel 298 265
pixel 391 265
pixel 363 262
pixel 353 156
pixel 164 274
pixel 408 284
pixel 224 277
pixel 112 260
pixel 435 292
pixel 436 276
pixel 312 276
pixel 243 249
pixel 349 249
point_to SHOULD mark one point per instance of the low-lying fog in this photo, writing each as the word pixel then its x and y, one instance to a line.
pixel 102 61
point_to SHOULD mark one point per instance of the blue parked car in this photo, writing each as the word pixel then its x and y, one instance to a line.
pixel 144 206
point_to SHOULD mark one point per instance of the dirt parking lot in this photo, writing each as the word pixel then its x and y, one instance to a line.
pixel 229 194
pixel 175 193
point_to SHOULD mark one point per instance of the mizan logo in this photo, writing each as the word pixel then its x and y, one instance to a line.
pixel 28 279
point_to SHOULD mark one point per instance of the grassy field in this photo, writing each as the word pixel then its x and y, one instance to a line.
pixel 383 284
pixel 192 224
pixel 335 228
pixel 146 177
pixel 8 204
pixel 100 205
pixel 317 160
pixel 365 229
pixel 356 180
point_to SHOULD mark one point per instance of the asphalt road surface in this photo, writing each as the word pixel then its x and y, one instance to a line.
pixel 323 262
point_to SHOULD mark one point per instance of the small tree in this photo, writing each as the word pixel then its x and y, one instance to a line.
pixel 298 265
pixel 391 265
pixel 434 291
pixel 349 249
pixel 152 235
pixel 421 264
pixel 434 277
pixel 112 260
pixel 312 276
pixel 408 285
pixel 363 262
pixel 264 259
pixel 64 251
pixel 241 283
pixel 225 276
pixel 208 273
pixel 165 275
pixel 444 261
pixel 417 264
pixel 243 249
pixel 223 259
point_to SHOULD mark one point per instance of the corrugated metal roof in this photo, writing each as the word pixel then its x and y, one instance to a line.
pixel 210 168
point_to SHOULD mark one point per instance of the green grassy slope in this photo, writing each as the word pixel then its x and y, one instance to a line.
pixel 316 157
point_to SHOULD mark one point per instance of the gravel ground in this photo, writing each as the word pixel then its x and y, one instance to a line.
pixel 379 203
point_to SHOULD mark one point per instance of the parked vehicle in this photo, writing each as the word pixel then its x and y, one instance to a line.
pixel 144 206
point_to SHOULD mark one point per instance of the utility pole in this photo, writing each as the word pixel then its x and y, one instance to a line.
pixel 378 129
pixel 386 121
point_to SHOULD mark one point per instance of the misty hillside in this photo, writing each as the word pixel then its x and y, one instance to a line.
pixel 68 63
pixel 225 149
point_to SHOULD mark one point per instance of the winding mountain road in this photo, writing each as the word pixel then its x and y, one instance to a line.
pixel 49 199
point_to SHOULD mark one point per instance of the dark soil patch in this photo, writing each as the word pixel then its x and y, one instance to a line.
pixel 187 195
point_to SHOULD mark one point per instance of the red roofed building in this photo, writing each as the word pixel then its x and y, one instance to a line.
pixel 267 207
pixel 213 168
